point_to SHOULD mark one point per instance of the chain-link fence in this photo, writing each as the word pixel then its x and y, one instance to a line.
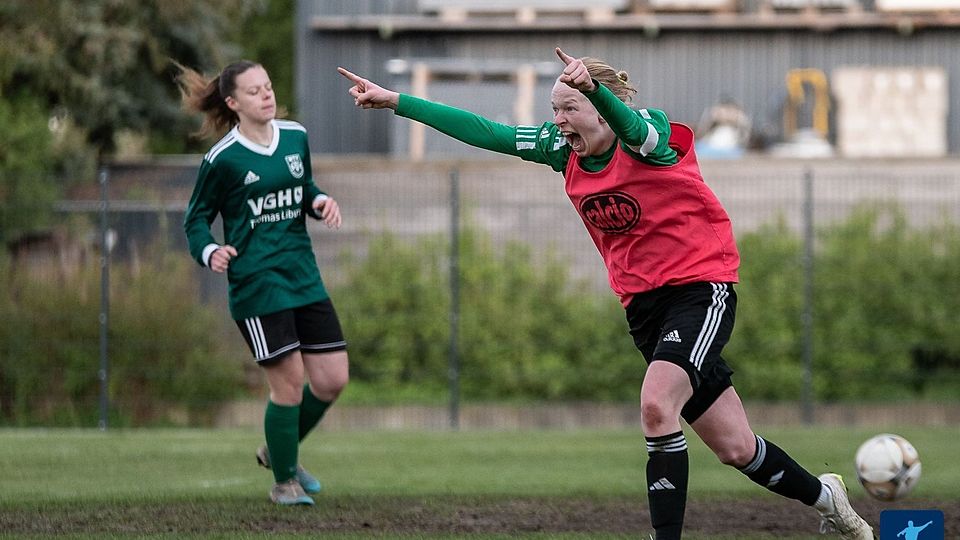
pixel 505 204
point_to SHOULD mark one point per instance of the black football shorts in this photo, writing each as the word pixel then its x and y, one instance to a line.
pixel 687 325
pixel 313 328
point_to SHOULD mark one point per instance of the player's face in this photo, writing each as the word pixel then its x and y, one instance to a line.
pixel 585 130
pixel 253 99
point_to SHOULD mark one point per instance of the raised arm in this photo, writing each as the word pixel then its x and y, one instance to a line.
pixel 645 133
pixel 525 142
pixel 462 125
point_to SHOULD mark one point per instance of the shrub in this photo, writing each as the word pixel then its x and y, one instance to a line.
pixel 163 348
pixel 526 330
pixel 881 290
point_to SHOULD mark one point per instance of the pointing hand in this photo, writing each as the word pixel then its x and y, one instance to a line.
pixel 368 95
pixel 575 74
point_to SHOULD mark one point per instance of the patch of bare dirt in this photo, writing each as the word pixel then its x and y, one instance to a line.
pixel 460 516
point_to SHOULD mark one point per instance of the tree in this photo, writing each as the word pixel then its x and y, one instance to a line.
pixel 267 37
pixel 105 64
pixel 75 76
pixel 27 188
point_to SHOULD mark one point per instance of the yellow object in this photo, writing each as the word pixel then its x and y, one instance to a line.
pixel 796 78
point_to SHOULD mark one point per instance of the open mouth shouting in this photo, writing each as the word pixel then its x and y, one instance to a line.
pixel 575 141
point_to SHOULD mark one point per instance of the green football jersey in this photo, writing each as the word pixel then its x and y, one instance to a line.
pixel 262 194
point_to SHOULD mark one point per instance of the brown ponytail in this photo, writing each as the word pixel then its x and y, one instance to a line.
pixel 200 94
pixel 615 80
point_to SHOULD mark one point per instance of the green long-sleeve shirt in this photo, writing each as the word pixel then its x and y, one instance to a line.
pixel 262 195
pixel 642 133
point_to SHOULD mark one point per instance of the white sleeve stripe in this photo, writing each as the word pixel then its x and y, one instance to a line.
pixel 289 124
pixel 650 143
pixel 526 135
pixel 645 113
pixel 220 147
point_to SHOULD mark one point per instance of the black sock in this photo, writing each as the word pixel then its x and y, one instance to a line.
pixel 773 469
pixel 668 469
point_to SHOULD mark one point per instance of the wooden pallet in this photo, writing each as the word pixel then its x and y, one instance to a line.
pixel 935 6
pixel 812 7
pixel 526 12
pixel 685 6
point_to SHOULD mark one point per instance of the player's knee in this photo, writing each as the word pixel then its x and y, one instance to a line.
pixel 286 393
pixel 736 454
pixel 330 386
pixel 339 382
pixel 654 415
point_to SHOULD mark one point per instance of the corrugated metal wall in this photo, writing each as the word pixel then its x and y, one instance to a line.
pixel 682 72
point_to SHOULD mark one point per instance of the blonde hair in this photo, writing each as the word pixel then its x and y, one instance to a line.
pixel 615 80
pixel 200 94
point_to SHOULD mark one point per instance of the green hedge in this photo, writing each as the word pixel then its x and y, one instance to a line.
pixel 528 330
pixel 168 363
pixel 882 290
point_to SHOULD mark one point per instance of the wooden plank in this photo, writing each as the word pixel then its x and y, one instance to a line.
pixel 420 79
pixel 811 7
pixel 784 20
pixel 527 13
pixel 526 89
pixel 708 6
pixel 917 5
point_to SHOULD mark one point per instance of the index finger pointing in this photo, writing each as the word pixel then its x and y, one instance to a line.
pixel 356 79
pixel 566 58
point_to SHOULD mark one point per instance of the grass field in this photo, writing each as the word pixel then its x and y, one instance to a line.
pixel 577 485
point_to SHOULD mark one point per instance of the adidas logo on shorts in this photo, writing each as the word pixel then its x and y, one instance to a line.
pixel 673 336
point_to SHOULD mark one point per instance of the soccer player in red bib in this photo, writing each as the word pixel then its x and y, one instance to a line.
pixel 671 258
pixel 258 180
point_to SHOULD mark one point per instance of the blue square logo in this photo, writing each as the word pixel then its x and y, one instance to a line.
pixel 911 525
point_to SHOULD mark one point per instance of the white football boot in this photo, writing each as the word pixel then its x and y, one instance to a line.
pixel 842 518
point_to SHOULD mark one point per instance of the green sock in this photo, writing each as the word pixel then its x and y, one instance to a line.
pixel 311 411
pixel 280 429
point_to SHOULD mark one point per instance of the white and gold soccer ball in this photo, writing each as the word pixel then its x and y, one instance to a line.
pixel 888 466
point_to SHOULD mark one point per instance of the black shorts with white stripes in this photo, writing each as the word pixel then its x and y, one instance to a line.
pixel 313 328
pixel 687 325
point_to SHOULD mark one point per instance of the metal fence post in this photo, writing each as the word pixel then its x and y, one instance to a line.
pixel 105 246
pixel 806 318
pixel 453 372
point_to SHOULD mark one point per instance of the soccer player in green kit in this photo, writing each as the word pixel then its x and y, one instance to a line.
pixel 671 257
pixel 258 179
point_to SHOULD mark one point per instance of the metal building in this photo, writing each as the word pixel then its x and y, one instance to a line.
pixel 682 55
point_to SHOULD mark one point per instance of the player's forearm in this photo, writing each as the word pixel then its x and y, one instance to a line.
pixel 199 239
pixel 462 125
pixel 622 119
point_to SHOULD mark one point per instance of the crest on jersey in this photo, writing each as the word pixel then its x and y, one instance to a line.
pixel 295 164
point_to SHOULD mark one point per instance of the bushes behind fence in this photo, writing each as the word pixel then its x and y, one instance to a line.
pixel 886 309
pixel 166 360
pixel 886 313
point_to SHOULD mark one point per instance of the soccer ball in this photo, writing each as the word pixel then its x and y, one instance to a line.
pixel 888 466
